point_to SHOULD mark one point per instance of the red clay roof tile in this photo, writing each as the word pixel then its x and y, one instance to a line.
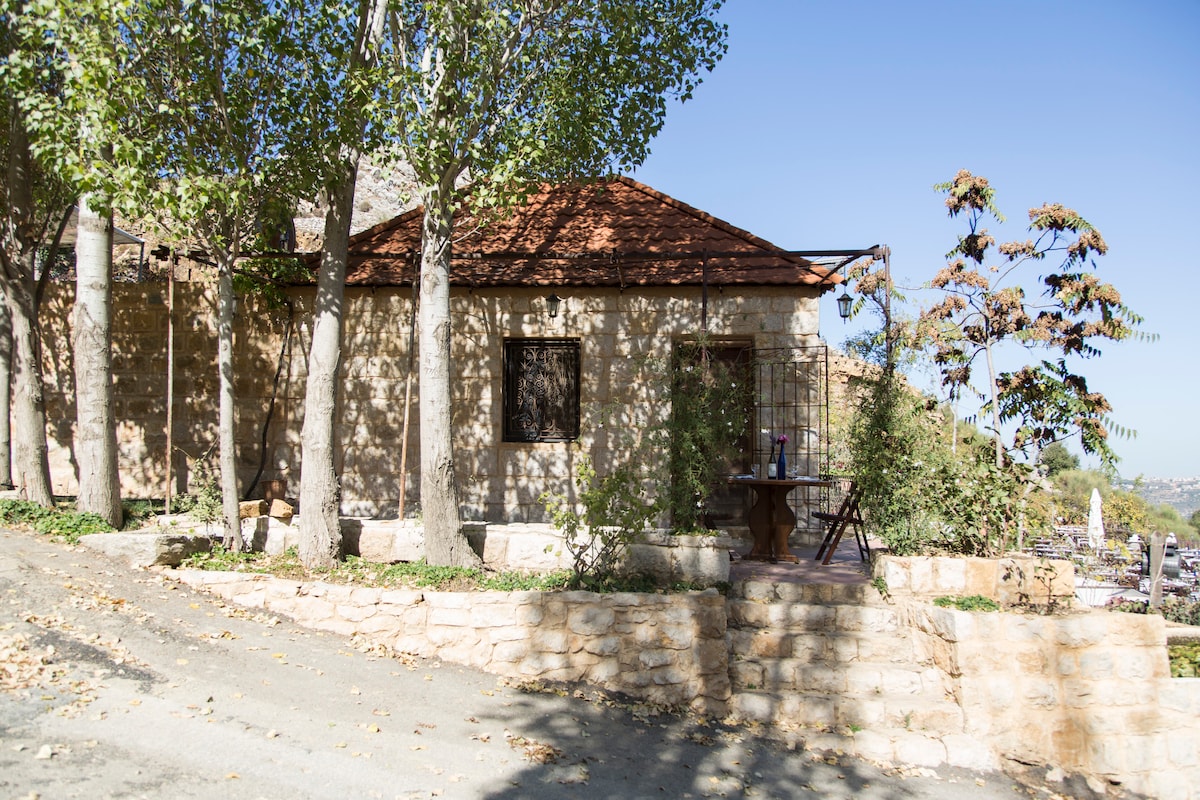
pixel 614 232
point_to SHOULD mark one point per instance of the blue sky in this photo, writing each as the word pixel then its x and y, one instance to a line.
pixel 827 124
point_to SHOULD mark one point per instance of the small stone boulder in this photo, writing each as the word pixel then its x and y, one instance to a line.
pixel 281 510
pixel 252 508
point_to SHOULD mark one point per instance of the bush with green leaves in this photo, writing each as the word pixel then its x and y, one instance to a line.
pixel 62 522
pixel 614 516
pixel 711 407
pixel 1172 609
pixel 930 486
pixel 203 502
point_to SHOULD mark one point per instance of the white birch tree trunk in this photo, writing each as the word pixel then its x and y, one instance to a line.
pixel 95 428
pixel 6 475
pixel 30 463
pixel 320 495
pixel 226 430
pixel 445 543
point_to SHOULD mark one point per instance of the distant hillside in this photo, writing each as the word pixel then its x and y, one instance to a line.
pixel 1182 494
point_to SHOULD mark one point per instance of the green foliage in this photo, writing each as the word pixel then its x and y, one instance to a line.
pixel 1185 660
pixel 711 408
pixel 1124 511
pixel 62 522
pixel 974 602
pixel 358 571
pixel 203 502
pixel 218 559
pixel 614 516
pixel 900 447
pixel 1172 609
pixel 137 513
pixel 1056 458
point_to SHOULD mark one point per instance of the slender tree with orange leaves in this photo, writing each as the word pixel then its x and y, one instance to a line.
pixel 985 305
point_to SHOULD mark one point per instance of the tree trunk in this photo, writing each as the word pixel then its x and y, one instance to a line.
pixel 320 496
pixel 445 543
pixel 226 437
pixel 29 460
pixel 95 433
pixel 994 388
pixel 6 476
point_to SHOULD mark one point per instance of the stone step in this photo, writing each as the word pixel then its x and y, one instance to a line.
pixel 833 647
pixel 859 679
pixel 789 616
pixel 881 714
pixel 814 593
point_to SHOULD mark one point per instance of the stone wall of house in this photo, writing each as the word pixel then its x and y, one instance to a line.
pixel 622 334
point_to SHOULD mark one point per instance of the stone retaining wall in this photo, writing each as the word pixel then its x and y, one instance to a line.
pixel 1086 692
pixel 1017 580
pixel 667 649
pixel 1089 692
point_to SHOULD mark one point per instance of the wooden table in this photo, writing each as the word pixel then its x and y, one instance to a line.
pixel 771 519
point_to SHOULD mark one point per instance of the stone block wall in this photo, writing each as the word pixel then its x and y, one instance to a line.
pixel 667 649
pixel 890 679
pixel 1018 580
pixel 1088 692
pixel 621 332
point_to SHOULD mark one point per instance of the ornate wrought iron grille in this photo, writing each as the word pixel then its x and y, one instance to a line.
pixel 541 390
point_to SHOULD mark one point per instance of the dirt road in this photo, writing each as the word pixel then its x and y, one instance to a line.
pixel 121 683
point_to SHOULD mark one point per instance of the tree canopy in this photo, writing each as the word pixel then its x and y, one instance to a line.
pixel 985 304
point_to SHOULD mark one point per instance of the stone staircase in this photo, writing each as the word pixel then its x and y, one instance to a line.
pixel 836 666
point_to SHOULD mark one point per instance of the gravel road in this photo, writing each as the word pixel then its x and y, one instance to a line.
pixel 121 683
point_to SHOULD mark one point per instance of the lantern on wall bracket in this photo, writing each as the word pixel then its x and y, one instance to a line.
pixel 552 304
pixel 844 303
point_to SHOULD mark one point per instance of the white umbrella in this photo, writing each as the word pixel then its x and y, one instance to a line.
pixel 1095 527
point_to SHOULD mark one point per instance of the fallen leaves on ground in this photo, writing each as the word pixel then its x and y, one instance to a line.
pixel 24 670
pixel 533 750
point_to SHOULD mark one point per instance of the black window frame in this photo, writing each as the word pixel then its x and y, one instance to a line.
pixel 515 368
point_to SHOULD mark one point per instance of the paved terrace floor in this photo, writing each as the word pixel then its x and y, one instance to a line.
pixel 844 568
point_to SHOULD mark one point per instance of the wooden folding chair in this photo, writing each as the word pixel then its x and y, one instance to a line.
pixel 847 515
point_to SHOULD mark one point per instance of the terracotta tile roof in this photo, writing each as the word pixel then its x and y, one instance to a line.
pixel 615 232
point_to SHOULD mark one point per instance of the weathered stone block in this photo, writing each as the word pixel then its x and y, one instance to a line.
pixel 251 508
pixel 147 549
pixel 591 620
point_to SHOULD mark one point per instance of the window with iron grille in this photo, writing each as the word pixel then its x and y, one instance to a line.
pixel 541 390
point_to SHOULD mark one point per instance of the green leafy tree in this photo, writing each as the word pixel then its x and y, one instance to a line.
pixel 229 92
pixel 36 201
pixel 985 306
pixel 509 93
pixel 1056 458
pixel 351 111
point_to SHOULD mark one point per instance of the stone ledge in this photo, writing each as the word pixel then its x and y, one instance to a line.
pixel 149 549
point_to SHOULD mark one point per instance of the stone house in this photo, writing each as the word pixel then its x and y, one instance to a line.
pixel 536 384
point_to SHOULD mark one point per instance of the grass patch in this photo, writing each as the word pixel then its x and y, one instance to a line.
pixel 62 522
pixel 419 575
pixel 973 602
pixel 1185 660
pixel 358 571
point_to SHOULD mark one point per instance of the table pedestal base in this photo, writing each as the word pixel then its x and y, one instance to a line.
pixel 772 521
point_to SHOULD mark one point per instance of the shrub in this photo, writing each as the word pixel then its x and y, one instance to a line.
pixel 62 523
pixel 614 515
